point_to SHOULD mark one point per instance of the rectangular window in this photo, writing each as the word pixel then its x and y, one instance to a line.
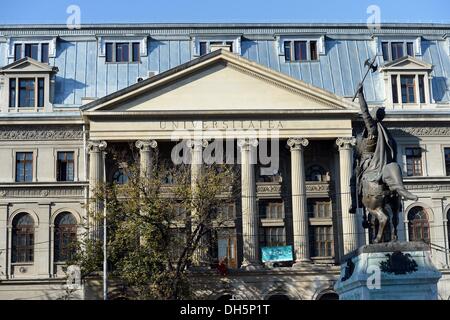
pixel 274 237
pixel 394 89
pixel 287 51
pixel 122 52
pixel 413 161
pixel 300 51
pixel 65 166
pixel 24 166
pixel 230 44
pixel 136 52
pixel 397 50
pixel 408 89
pixel 41 93
pixel 385 49
pixel 313 50
pixel 273 210
pixel 421 89
pixel 26 93
pixel 12 93
pixel 44 53
pixel 17 52
pixel 323 241
pixel 410 49
pixel 447 161
pixel 109 52
pixel 203 48
pixel 32 50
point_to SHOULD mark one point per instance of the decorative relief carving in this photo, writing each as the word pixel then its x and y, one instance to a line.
pixel 40 192
pixel 269 188
pixel 428 187
pixel 317 187
pixel 421 131
pixel 40 133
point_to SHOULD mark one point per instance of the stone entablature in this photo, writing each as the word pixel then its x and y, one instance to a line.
pixel 43 190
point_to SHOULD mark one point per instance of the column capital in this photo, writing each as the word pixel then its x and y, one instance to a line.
pixel 346 142
pixel 96 146
pixel 197 143
pixel 297 143
pixel 246 143
pixel 146 145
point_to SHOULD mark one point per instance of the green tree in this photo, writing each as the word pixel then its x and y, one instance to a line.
pixel 157 231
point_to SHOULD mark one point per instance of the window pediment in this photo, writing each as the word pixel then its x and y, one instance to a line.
pixel 407 63
pixel 28 65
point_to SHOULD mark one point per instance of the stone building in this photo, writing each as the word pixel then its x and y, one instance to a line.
pixel 66 96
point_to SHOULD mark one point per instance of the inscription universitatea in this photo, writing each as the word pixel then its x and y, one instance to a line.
pixel 221 125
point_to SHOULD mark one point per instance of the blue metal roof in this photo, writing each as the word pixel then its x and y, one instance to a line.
pixel 83 73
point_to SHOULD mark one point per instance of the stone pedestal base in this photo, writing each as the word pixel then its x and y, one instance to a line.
pixel 388 271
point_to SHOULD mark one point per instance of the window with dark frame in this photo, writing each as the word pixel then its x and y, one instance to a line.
pixel 44 53
pixel 421 89
pixel 418 225
pixel 322 244
pixel 413 161
pixel 121 52
pixel 395 50
pixel 408 86
pixel 24 166
pixel 27 88
pixel 12 93
pixel 120 177
pixel 23 239
pixel 394 89
pixel 447 161
pixel 65 166
pixel 32 50
pixel 298 50
pixel 41 93
pixel 65 237
pixel 17 51
pixel 272 210
pixel 274 237
pixel 203 48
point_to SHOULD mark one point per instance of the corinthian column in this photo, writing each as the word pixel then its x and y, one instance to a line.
pixel 250 218
pixel 349 221
pixel 96 177
pixel 146 156
pixel 299 212
pixel 201 254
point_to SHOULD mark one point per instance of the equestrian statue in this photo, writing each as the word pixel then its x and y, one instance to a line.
pixel 377 182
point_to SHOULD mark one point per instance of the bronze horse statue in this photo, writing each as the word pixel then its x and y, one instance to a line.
pixel 377 178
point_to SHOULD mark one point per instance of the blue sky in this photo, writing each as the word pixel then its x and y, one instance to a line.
pixel 100 11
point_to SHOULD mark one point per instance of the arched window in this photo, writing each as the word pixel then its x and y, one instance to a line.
pixel 23 238
pixel 120 177
pixel 418 226
pixel 65 236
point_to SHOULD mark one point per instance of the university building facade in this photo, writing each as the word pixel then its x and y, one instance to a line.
pixel 70 97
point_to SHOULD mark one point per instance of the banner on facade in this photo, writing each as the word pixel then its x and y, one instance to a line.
pixel 277 254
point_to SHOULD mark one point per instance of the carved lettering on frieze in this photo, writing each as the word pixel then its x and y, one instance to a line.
pixel 421 131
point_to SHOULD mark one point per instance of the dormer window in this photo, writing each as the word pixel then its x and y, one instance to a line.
pixel 407 82
pixel 205 46
pixel 301 48
pixel 36 51
pixel 122 52
pixel 300 51
pixel 202 45
pixel 27 84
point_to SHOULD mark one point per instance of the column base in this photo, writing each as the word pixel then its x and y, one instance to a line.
pixel 251 265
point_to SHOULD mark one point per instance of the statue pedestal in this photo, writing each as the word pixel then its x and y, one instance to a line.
pixel 388 271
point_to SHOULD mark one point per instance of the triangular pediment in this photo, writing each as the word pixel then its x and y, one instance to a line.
pixel 407 63
pixel 219 81
pixel 28 65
